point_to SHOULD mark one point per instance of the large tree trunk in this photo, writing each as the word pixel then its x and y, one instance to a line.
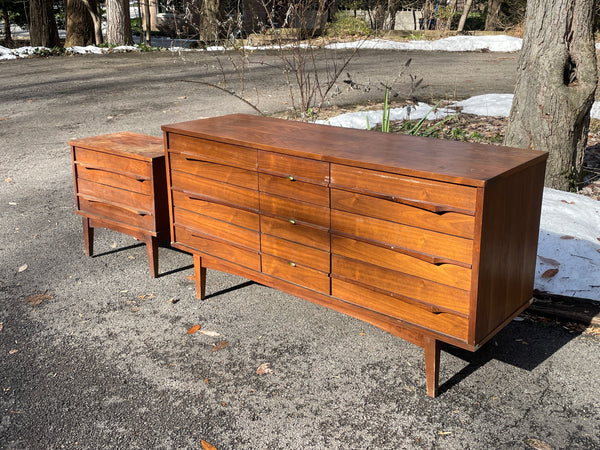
pixel 464 15
pixel 94 9
pixel 555 88
pixel 492 19
pixel 42 30
pixel 210 15
pixel 118 23
pixel 8 41
pixel 80 27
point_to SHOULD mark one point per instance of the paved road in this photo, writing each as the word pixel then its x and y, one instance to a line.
pixel 106 361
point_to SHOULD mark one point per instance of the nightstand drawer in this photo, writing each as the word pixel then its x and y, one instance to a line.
pixel 127 181
pixel 296 273
pixel 114 163
pixel 429 194
pixel 126 215
pixel 301 169
pixel 116 196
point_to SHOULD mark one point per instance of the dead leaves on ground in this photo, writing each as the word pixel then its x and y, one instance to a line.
pixel 194 329
pixel 549 273
pixel 36 299
pixel 263 369
pixel 220 346
pixel 207 446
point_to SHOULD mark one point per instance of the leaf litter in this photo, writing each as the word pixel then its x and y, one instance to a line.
pixel 36 299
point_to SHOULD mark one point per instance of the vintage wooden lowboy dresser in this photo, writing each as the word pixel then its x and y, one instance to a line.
pixel 433 241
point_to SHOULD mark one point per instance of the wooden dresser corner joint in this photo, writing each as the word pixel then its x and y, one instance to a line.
pixel 433 241
pixel 120 184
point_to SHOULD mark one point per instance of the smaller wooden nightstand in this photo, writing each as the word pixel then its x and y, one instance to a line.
pixel 120 184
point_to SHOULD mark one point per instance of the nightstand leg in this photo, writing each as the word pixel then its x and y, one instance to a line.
pixel 432 364
pixel 200 276
pixel 88 237
pixel 152 249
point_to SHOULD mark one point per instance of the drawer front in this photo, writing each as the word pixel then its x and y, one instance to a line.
pixel 206 189
pixel 448 274
pixel 292 251
pixel 446 323
pixel 218 229
pixel 203 244
pixel 294 210
pixel 428 292
pixel 296 273
pixel 431 244
pixel 296 232
pixel 112 162
pixel 456 224
pixel 129 182
pixel 240 217
pixel 445 196
pixel 133 200
pixel 116 212
pixel 311 193
pixel 219 152
pixel 214 171
pixel 301 169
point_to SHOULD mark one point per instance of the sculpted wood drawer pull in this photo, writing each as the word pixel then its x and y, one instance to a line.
pixel 139 178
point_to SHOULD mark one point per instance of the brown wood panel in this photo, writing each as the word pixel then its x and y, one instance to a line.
pixel 125 215
pixel 133 200
pixel 294 210
pixel 240 217
pixel 301 169
pixel 294 272
pixel 449 223
pixel 204 244
pixel 296 232
pixel 430 193
pixel 206 189
pixel 113 162
pixel 437 296
pixel 299 190
pixel 396 235
pixel 445 323
pixel 207 150
pixel 127 181
pixel 292 251
pixel 128 144
pixel 225 231
pixel 214 171
pixel 448 274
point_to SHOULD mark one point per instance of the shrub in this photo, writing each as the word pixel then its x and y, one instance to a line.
pixel 345 25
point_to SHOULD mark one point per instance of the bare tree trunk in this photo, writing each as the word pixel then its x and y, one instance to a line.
pixel 79 24
pixel 451 10
pixel 8 41
pixel 94 9
pixel 464 15
pixel 118 23
pixel 42 30
pixel 428 13
pixel 146 16
pixel 210 14
pixel 492 19
pixel 556 82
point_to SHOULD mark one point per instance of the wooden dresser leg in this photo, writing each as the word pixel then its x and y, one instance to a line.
pixel 200 276
pixel 152 249
pixel 432 364
pixel 88 237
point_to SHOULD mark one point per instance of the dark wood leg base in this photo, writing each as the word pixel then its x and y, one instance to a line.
pixel 88 237
pixel 152 249
pixel 200 276
pixel 432 364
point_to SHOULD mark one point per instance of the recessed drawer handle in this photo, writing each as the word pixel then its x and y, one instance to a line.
pixel 139 212
pixel 292 264
pixel 136 177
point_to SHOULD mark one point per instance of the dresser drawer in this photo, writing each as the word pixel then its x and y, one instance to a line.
pixel 134 200
pixel 282 186
pixel 225 231
pixel 205 244
pixel 425 291
pixel 205 150
pixel 130 182
pixel 294 210
pixel 434 195
pixel 130 216
pixel 443 322
pixel 214 171
pixel 437 247
pixel 448 274
pixel 301 169
pixel 296 232
pixel 292 251
pixel 294 272
pixel 205 189
pixel 456 224
pixel 118 164
pixel 240 217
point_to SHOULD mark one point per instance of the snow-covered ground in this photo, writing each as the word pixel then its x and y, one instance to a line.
pixel 569 243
